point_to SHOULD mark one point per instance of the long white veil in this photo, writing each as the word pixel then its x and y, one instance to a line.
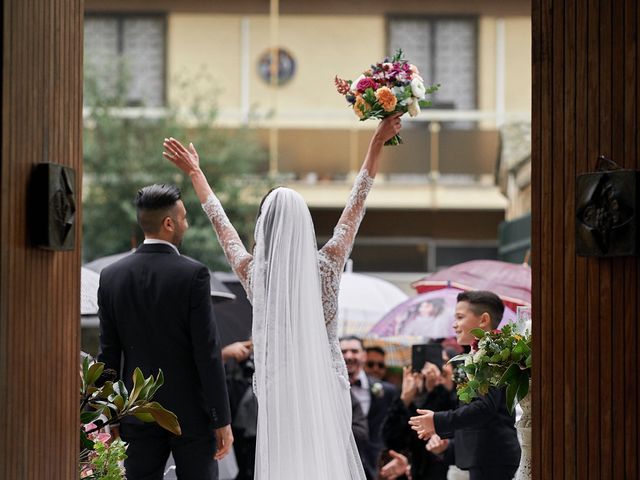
pixel 304 411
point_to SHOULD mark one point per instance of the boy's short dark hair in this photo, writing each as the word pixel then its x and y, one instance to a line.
pixel 481 301
pixel 153 204
pixel 376 349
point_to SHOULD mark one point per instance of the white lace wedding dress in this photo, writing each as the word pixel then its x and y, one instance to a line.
pixel 304 415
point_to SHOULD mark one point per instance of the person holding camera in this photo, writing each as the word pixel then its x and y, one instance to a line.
pixel 426 388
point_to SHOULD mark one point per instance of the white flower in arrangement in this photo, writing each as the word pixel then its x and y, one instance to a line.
pixel 413 106
pixel 417 88
pixel 478 355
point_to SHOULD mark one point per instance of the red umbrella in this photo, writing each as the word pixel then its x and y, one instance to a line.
pixel 510 281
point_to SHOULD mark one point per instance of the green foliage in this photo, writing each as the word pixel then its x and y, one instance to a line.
pixel 501 358
pixel 100 457
pixel 105 461
pixel 123 152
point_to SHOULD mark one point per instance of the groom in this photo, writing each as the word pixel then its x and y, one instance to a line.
pixel 155 312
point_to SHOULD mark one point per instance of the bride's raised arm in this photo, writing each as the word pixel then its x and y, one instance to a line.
pixel 338 248
pixel 188 161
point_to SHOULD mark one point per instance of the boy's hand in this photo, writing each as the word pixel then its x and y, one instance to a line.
pixel 437 445
pixel 423 424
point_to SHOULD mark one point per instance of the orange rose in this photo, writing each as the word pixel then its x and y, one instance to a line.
pixel 361 107
pixel 386 98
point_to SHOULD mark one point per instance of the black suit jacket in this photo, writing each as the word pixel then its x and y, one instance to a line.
pixel 483 431
pixel 382 396
pixel 155 312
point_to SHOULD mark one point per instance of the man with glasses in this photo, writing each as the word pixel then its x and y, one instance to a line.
pixel 375 366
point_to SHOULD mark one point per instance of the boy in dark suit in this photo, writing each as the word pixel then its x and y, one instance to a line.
pixel 155 312
pixel 485 441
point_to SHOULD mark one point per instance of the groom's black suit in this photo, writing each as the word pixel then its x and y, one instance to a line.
pixel 155 310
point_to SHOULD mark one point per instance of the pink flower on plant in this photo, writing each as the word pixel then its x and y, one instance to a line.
pixel 365 83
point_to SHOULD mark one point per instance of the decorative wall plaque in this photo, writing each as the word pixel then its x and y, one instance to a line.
pixel 52 209
pixel 286 66
pixel 606 211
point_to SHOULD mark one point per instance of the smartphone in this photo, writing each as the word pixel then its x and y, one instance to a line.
pixel 426 352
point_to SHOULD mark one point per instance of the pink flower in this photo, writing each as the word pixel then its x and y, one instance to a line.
pixel 102 437
pixel 365 83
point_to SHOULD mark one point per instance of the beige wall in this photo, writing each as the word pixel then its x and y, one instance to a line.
pixel 323 46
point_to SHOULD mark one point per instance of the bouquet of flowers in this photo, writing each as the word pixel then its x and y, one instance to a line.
pixel 388 87
pixel 498 358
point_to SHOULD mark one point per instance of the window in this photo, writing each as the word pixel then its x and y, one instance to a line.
pixel 445 51
pixel 134 45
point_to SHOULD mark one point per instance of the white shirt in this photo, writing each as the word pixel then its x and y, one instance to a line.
pixel 152 241
pixel 362 392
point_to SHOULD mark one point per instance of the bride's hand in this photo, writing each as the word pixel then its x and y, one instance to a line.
pixel 389 127
pixel 186 160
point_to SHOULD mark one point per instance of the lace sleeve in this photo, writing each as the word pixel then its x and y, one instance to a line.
pixel 338 248
pixel 237 255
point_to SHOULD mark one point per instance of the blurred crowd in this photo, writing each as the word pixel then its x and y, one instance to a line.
pixel 382 404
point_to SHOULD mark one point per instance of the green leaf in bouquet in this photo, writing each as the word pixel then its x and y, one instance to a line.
pixel 471 368
pixel 478 333
pixel 473 385
pixel 495 358
pixel 432 88
pixel 89 417
pixel 523 386
pixel 164 418
pixel 85 441
pixel 516 356
pixel 528 362
pixel 522 347
pixel 512 390
pixel 94 372
pixel 505 354
pixel 510 375
pixel 424 103
pixel 119 388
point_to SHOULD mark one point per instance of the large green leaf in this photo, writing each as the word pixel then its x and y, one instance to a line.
pixel 89 417
pixel 145 417
pixel 138 383
pixel 157 384
pixel 94 372
pixel 85 442
pixel 510 374
pixel 523 386
pixel 512 390
pixel 163 417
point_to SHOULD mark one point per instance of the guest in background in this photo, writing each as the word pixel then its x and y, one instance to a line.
pixel 375 365
pixel 374 396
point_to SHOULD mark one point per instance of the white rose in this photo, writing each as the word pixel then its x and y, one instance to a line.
pixel 478 355
pixel 355 83
pixel 413 106
pixel 417 88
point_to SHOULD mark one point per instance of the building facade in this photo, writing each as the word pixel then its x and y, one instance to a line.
pixel 437 200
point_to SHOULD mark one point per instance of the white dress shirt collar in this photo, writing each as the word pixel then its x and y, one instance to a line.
pixel 152 241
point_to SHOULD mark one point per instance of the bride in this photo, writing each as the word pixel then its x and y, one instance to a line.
pixel 304 406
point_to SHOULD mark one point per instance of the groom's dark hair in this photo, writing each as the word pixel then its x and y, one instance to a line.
pixel 483 301
pixel 153 204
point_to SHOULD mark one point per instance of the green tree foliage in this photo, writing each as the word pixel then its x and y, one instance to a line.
pixel 123 152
